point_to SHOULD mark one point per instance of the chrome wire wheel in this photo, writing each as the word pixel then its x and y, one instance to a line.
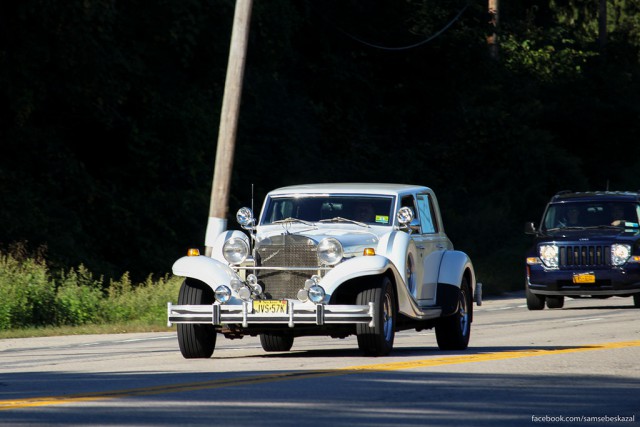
pixel 387 318
pixel 463 311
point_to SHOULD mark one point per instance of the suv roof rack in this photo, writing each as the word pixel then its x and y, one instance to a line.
pixel 567 194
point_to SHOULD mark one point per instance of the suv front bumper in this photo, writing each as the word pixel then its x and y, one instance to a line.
pixel 615 281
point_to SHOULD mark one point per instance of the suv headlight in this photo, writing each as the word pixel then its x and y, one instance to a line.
pixel 549 255
pixel 620 253
pixel 235 250
pixel 330 251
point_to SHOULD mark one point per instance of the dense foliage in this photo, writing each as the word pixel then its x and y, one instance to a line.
pixel 109 116
pixel 35 296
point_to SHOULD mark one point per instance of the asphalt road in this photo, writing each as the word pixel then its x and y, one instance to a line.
pixel 574 366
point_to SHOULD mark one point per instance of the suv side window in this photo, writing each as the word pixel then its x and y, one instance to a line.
pixel 425 213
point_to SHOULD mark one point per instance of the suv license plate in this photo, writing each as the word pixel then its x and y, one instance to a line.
pixel 263 306
pixel 584 278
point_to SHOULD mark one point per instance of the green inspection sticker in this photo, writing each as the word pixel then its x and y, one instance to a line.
pixel 383 219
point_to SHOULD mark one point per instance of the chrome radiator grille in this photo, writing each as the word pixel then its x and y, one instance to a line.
pixel 285 251
pixel 584 256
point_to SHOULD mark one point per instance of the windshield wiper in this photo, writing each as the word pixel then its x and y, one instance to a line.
pixel 290 220
pixel 571 227
pixel 341 219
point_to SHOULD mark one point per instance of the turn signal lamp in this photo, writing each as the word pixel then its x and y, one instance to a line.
pixel 369 252
pixel 193 252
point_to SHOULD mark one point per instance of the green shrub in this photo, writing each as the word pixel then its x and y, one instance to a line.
pixel 33 297
pixel 146 302
pixel 78 298
pixel 27 292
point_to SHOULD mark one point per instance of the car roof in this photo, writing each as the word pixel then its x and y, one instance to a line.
pixel 596 196
pixel 351 188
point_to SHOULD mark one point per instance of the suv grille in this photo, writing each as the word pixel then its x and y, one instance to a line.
pixel 584 256
pixel 285 251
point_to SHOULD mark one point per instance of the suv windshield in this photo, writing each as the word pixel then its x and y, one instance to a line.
pixel 591 214
pixel 365 209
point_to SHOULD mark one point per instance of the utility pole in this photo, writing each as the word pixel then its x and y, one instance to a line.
pixel 218 207
pixel 492 39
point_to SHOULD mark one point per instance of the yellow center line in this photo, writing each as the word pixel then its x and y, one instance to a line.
pixel 287 376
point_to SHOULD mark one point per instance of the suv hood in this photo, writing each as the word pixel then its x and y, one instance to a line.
pixel 596 234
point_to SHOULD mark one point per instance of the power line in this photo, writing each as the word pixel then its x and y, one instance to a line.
pixel 427 40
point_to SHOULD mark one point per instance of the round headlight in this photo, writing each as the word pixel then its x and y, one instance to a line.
pixel 549 255
pixel 316 293
pixel 223 294
pixel 235 250
pixel 620 253
pixel 330 251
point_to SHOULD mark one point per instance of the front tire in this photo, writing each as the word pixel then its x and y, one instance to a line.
pixel 378 340
pixel 534 302
pixel 276 342
pixel 196 341
pixel 453 332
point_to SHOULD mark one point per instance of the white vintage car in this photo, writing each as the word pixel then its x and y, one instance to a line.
pixel 329 259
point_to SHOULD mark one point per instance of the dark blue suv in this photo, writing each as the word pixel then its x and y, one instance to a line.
pixel 588 244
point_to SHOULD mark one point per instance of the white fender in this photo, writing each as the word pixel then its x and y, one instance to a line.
pixel 431 269
pixel 369 266
pixel 453 266
pixel 210 271
pixel 355 267
pixel 396 246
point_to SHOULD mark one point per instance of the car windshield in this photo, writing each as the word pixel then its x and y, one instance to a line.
pixel 366 209
pixel 591 214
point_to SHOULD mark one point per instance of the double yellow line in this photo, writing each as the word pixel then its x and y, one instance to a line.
pixel 288 376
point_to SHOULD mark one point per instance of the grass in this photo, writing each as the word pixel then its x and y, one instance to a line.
pixel 54 331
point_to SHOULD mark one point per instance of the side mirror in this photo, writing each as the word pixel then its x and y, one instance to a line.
pixel 245 218
pixel 529 228
pixel 404 215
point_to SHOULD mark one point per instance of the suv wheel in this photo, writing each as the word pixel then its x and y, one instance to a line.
pixel 534 302
pixel 555 302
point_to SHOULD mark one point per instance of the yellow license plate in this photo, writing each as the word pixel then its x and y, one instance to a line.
pixel 263 306
pixel 584 278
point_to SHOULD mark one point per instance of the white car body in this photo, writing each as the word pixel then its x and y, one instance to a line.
pixel 410 276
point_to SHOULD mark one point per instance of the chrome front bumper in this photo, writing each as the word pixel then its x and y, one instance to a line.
pixel 297 313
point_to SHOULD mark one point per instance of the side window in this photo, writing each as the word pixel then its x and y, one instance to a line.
pixel 426 214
